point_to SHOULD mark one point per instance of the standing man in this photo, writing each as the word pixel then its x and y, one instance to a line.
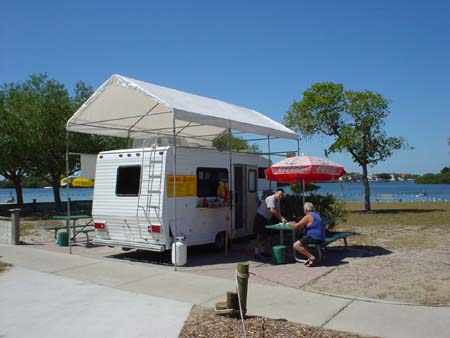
pixel 268 210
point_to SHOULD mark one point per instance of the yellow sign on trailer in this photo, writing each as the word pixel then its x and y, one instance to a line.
pixel 186 186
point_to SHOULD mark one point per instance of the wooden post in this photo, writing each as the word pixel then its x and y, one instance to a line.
pixel 15 226
pixel 242 281
pixel 232 300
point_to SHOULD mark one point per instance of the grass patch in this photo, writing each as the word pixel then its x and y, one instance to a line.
pixel 398 225
pixel 26 228
pixel 398 214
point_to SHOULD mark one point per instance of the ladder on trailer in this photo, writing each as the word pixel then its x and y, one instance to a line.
pixel 149 199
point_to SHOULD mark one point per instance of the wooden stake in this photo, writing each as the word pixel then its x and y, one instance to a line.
pixel 242 281
pixel 232 300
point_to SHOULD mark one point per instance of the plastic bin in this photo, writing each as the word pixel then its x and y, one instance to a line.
pixel 63 239
pixel 279 254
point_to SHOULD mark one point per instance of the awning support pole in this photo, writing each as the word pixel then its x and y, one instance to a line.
pixel 68 193
pixel 268 150
pixel 229 221
pixel 174 191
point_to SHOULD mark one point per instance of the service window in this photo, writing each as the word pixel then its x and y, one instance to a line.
pixel 261 173
pixel 252 180
pixel 128 180
pixel 208 180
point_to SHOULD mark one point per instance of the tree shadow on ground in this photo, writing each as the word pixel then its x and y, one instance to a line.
pixel 335 256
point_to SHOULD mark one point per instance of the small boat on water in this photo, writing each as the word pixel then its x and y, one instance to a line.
pixel 76 181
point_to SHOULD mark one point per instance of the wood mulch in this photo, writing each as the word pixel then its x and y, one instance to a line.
pixel 204 323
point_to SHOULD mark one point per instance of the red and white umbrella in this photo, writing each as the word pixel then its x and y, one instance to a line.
pixel 304 169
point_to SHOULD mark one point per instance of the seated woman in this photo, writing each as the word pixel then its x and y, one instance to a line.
pixel 314 232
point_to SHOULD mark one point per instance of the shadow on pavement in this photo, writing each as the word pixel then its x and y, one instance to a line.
pixel 200 255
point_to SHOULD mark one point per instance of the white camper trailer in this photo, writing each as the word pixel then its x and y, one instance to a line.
pixel 133 196
pixel 133 211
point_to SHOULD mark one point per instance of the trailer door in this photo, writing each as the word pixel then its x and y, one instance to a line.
pixel 239 199
pixel 245 202
pixel 252 196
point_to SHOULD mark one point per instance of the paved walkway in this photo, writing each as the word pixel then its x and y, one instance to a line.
pixel 36 304
pixel 353 315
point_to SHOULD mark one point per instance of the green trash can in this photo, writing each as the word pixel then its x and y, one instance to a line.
pixel 279 254
pixel 63 239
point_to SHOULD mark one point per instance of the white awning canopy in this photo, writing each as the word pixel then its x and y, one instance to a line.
pixel 125 107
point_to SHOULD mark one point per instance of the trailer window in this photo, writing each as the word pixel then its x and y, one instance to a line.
pixel 252 180
pixel 261 173
pixel 208 180
pixel 128 180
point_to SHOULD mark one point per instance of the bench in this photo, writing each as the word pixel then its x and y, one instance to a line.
pixel 86 233
pixel 56 228
pixel 333 237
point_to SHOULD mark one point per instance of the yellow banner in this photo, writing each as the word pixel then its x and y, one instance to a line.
pixel 186 186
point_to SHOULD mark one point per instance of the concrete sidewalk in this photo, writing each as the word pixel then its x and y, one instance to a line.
pixel 353 315
pixel 36 304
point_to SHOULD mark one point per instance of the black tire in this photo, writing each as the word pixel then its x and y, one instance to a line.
pixel 126 249
pixel 220 241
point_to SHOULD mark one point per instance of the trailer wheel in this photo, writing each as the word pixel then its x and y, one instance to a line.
pixel 220 241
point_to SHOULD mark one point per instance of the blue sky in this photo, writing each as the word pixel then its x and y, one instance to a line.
pixel 257 54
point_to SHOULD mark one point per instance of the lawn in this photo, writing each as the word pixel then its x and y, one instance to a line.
pixel 398 225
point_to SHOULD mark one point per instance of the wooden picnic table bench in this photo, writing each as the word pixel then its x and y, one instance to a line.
pixel 56 228
pixel 332 237
pixel 85 232
pixel 76 228
pixel 320 248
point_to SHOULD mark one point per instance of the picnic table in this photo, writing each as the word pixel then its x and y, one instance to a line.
pixel 283 227
pixel 320 248
pixel 75 228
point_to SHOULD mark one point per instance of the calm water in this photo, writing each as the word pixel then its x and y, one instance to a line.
pixel 406 191
pixel 46 195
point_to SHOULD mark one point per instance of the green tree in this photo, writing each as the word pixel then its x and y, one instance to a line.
pixel 354 119
pixel 384 176
pixel 14 136
pixel 49 106
pixel 230 142
pixel 33 117
pixel 445 170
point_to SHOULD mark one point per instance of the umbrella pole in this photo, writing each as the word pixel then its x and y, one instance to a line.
pixel 303 188
pixel 268 151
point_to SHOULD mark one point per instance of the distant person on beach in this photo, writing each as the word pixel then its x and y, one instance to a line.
pixel 268 213
pixel 314 232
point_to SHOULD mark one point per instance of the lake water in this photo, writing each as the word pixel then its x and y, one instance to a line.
pixel 405 191
pixel 46 195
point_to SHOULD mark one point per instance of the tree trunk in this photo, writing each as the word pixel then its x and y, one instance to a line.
pixel 19 192
pixel 56 193
pixel 16 178
pixel 366 188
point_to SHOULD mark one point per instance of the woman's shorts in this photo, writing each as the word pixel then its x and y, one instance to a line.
pixel 305 240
